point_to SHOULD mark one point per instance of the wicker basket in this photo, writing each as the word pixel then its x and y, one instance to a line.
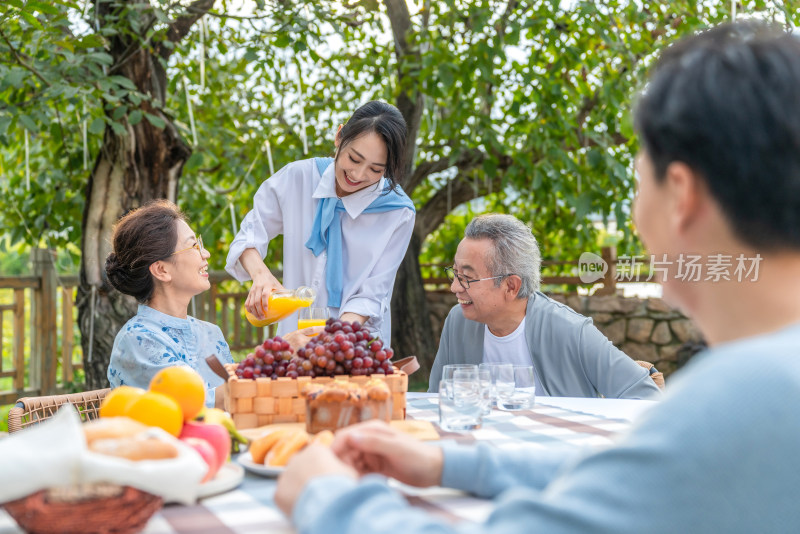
pixel 30 411
pixel 89 509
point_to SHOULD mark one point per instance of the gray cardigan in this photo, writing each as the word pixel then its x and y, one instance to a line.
pixel 571 357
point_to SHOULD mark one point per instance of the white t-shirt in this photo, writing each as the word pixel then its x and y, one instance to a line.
pixel 512 349
pixel 373 244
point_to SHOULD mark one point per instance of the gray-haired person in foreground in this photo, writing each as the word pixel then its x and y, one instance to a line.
pixel 502 317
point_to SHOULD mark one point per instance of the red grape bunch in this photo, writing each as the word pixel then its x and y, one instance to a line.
pixel 342 349
pixel 345 349
pixel 271 359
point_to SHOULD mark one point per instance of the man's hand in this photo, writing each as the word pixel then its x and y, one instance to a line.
pixel 311 462
pixel 375 447
pixel 299 338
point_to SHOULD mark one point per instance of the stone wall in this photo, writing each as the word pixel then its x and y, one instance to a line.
pixel 645 329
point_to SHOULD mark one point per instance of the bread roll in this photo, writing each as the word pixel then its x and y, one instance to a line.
pixel 112 427
pixel 135 448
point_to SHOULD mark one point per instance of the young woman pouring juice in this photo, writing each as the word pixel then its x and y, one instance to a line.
pixel 345 222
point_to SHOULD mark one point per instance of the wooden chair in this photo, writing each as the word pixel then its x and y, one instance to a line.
pixel 655 374
pixel 30 411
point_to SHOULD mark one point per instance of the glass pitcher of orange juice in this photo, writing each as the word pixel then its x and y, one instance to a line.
pixel 282 303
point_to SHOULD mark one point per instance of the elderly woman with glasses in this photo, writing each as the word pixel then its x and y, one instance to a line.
pixel 161 262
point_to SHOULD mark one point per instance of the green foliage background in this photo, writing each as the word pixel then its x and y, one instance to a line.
pixel 526 104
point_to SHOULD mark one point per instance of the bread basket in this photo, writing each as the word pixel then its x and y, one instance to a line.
pixel 97 508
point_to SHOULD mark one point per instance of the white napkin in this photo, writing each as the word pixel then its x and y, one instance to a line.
pixel 54 454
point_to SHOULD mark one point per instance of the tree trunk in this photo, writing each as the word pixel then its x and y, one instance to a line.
pixel 130 170
pixel 412 333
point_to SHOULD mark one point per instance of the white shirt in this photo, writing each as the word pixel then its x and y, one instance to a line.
pixel 373 244
pixel 512 349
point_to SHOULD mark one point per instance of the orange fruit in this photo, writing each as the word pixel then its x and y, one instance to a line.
pixel 118 400
pixel 184 385
pixel 157 409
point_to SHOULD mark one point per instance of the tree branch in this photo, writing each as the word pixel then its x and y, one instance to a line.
pixel 21 61
pixel 400 19
pixel 462 190
pixel 466 160
pixel 180 27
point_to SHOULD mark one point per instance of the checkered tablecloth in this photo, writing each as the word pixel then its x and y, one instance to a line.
pixel 250 508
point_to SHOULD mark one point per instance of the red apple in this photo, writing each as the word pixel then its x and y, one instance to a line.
pixel 216 435
pixel 208 454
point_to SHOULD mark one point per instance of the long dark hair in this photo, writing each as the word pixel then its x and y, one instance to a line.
pixel 386 121
pixel 142 237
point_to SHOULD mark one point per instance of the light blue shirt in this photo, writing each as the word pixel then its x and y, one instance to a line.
pixel 718 454
pixel 151 341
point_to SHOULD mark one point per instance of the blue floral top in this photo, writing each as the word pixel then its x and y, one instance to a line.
pixel 151 341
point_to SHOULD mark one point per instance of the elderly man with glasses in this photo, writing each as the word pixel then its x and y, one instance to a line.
pixel 502 317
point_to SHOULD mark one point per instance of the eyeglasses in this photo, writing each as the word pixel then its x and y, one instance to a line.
pixel 198 246
pixel 464 281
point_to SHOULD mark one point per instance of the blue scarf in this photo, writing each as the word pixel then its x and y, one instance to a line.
pixel 326 233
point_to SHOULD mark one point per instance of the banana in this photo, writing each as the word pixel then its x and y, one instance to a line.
pixel 221 417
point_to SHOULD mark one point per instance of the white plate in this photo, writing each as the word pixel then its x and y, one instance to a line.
pixel 228 477
pixel 264 470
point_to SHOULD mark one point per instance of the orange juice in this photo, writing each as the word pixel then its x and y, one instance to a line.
pixel 281 304
pixel 307 323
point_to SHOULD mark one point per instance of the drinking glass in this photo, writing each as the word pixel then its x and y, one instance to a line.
pixel 485 379
pixel 493 368
pixel 515 388
pixel 307 317
pixel 448 370
pixel 460 401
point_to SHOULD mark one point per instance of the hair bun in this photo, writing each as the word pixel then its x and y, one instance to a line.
pixel 114 272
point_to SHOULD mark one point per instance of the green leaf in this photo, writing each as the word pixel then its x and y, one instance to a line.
pixel 31 20
pixel 5 122
pixel 15 77
pixel 119 129
pixel 158 122
pixel 101 57
pixel 194 161
pixel 28 123
pixel 135 117
pixel 122 81
pixel 97 126
pixel 119 112
pixel 89 41
pixel 65 43
pixel 626 126
pixel 42 7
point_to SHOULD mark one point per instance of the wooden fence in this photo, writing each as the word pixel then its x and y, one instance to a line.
pixel 43 314
pixel 42 340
